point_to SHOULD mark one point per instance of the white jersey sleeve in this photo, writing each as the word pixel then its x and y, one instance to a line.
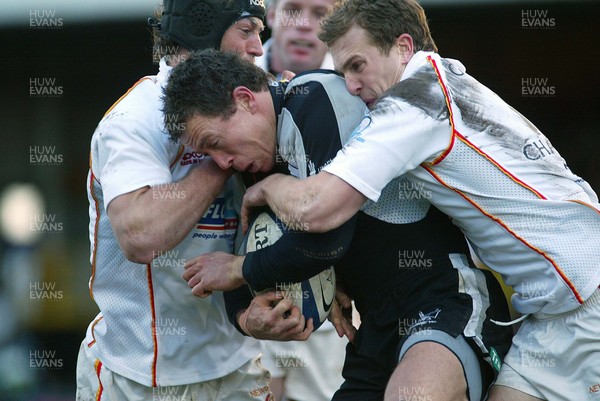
pixel 125 157
pixel 394 138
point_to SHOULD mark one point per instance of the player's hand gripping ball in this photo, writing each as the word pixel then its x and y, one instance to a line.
pixel 314 297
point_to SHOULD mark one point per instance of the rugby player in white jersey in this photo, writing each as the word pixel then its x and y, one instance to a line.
pixel 525 214
pixel 154 204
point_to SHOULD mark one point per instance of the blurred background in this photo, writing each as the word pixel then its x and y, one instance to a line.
pixel 64 63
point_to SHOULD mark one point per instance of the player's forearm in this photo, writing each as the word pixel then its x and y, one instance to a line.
pixel 158 218
pixel 320 203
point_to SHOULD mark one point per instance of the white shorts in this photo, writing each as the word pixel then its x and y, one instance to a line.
pixel 557 357
pixel 312 368
pixel 97 383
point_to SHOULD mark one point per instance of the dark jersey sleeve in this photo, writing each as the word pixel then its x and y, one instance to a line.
pixel 299 255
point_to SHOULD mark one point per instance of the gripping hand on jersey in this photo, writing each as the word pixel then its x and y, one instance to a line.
pixel 215 271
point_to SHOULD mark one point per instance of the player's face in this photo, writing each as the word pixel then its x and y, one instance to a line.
pixel 244 142
pixel 294 25
pixel 367 71
pixel 243 37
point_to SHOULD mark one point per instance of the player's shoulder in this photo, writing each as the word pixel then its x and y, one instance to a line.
pixel 312 92
pixel 328 80
pixel 141 98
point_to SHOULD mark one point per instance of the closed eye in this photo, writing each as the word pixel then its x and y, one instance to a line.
pixel 357 66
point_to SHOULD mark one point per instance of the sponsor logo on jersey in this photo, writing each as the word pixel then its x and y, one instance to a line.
pixel 425 318
pixel 190 158
pixel 261 391
pixel 220 216
pixel 357 133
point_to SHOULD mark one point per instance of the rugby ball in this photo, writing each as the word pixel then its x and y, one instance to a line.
pixel 314 297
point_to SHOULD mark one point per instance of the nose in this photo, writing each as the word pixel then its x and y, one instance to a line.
pixel 254 46
pixel 353 85
pixel 223 160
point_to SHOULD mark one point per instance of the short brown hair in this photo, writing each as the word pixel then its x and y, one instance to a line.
pixel 203 86
pixel 384 21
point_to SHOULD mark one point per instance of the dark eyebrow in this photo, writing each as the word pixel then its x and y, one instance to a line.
pixel 344 66
pixel 256 23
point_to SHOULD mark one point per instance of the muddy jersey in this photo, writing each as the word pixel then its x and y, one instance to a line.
pixel 526 215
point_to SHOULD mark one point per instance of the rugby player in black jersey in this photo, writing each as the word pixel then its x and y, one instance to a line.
pixel 425 310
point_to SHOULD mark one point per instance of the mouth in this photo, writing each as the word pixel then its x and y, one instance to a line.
pixel 370 103
pixel 302 45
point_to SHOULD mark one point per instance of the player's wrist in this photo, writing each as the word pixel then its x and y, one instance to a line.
pixel 236 273
pixel 243 318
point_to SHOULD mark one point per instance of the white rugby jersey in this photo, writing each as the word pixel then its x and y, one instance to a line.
pixel 525 213
pixel 151 329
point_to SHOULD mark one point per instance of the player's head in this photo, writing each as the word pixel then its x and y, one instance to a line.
pixel 372 41
pixel 294 25
pixel 228 25
pixel 219 104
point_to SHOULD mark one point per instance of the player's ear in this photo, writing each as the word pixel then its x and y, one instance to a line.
pixel 404 44
pixel 244 98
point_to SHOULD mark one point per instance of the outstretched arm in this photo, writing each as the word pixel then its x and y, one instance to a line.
pixel 321 202
pixel 294 257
